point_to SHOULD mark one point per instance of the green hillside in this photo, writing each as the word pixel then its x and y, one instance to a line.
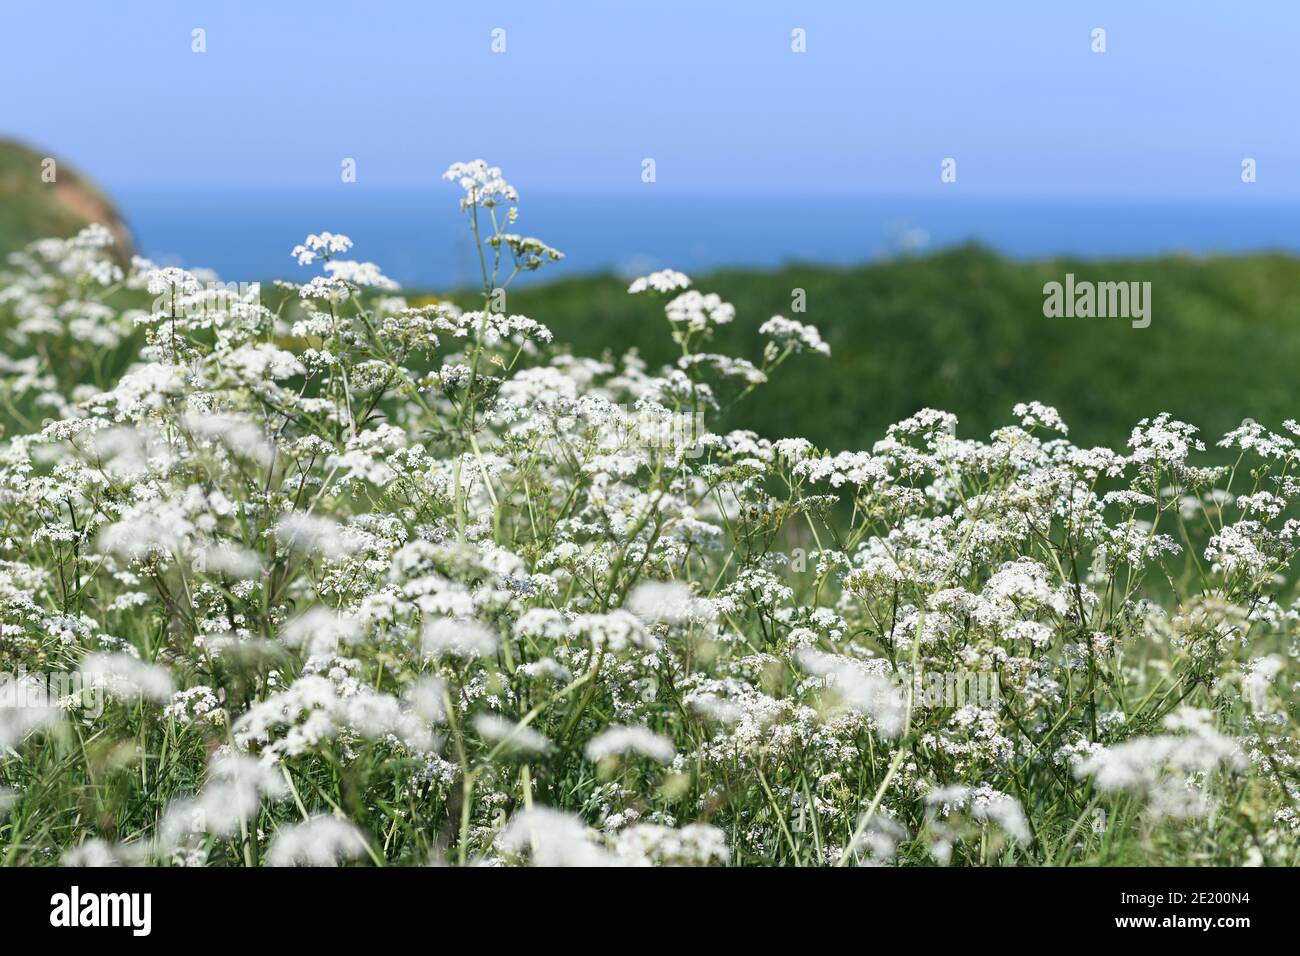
pixel 964 330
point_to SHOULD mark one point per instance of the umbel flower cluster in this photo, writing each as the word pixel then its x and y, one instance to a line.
pixel 317 574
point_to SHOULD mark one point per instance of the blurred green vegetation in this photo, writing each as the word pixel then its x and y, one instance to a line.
pixel 963 330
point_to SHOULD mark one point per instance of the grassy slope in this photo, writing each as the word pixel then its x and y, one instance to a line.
pixel 33 209
pixel 963 330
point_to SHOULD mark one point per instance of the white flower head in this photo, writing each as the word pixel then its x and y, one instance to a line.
pixel 619 741
pixel 324 245
pixel 483 184
pixel 514 736
pixel 126 677
pixel 665 280
pixel 554 838
pixel 458 637
pixel 858 688
pixel 668 602
pixel 319 841
pixel 25 705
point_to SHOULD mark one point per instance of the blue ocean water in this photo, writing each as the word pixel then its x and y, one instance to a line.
pixel 419 237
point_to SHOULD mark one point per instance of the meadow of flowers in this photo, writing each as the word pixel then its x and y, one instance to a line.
pixel 321 575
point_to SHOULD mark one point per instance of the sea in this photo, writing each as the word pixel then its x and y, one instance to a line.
pixel 421 240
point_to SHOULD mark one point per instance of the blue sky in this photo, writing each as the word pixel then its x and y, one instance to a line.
pixel 711 91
